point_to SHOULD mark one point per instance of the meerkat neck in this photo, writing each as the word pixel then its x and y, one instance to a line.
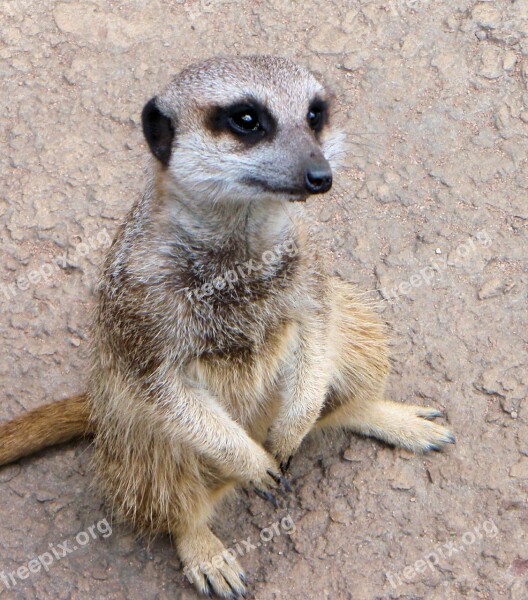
pixel 251 228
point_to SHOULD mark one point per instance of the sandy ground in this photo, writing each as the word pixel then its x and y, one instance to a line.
pixel 429 214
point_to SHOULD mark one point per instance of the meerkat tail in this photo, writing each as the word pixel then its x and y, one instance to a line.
pixel 45 426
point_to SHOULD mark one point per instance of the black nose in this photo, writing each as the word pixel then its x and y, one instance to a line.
pixel 318 179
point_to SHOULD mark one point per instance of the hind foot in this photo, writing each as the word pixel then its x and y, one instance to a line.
pixel 209 566
pixel 403 425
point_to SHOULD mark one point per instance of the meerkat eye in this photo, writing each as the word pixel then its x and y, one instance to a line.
pixel 315 118
pixel 245 121
pixel 249 121
pixel 317 115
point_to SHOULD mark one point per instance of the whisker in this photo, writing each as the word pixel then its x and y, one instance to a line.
pixel 366 132
pixel 366 144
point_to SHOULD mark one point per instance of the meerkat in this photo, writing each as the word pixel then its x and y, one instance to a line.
pixel 219 341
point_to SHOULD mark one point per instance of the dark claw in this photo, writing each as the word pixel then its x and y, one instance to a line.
pixel 209 590
pixel 285 464
pixel 286 485
pixel 267 496
pixel 244 580
pixel 275 476
pixel 434 415
pixel 236 594
pixel 280 480
pixel 433 448
pixel 448 439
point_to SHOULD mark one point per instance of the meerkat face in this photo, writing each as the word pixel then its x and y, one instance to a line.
pixel 243 129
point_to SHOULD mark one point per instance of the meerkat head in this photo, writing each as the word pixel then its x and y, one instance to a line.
pixel 244 128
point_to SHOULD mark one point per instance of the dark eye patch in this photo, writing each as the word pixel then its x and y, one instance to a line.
pixel 249 121
pixel 317 115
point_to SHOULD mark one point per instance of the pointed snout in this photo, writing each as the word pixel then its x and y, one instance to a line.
pixel 317 176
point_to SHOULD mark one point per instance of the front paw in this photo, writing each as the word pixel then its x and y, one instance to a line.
pixel 285 464
pixel 282 449
pixel 268 480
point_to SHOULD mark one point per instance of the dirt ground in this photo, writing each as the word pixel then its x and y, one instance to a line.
pixel 429 215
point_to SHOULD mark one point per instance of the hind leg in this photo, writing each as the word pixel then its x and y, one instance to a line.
pixel 355 400
pixel 207 564
pixel 162 487
pixel 397 424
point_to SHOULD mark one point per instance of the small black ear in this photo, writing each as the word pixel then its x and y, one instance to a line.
pixel 158 130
